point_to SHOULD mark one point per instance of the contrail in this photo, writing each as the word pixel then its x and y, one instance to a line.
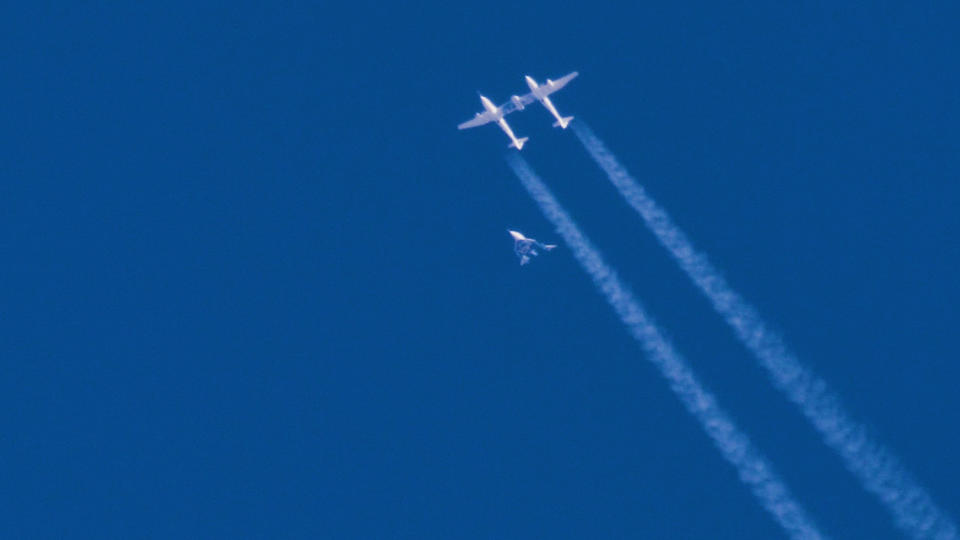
pixel 753 469
pixel 878 470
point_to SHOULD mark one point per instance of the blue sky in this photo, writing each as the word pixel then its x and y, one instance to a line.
pixel 256 284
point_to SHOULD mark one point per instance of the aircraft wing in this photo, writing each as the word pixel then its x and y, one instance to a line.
pixel 486 117
pixel 553 86
pixel 479 120
pixel 525 100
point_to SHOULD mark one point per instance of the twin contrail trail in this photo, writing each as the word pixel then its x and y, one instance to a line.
pixel 752 468
pixel 877 469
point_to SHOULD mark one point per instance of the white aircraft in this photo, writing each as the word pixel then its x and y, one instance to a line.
pixel 492 113
pixel 527 247
pixel 540 93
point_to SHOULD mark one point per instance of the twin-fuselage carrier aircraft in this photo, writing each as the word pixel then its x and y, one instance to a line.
pixel 493 113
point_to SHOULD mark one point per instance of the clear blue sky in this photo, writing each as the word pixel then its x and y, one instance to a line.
pixel 255 283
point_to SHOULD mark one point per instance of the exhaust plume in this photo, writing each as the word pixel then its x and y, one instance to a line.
pixel 877 469
pixel 736 448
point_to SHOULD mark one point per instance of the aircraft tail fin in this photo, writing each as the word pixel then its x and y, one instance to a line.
pixel 563 122
pixel 518 144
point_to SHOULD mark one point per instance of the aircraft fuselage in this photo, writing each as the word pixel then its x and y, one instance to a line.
pixel 534 87
pixel 542 97
pixel 490 107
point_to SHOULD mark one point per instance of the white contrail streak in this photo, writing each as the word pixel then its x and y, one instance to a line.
pixel 876 467
pixel 753 469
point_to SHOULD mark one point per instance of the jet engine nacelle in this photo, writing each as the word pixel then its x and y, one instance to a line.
pixel 516 101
